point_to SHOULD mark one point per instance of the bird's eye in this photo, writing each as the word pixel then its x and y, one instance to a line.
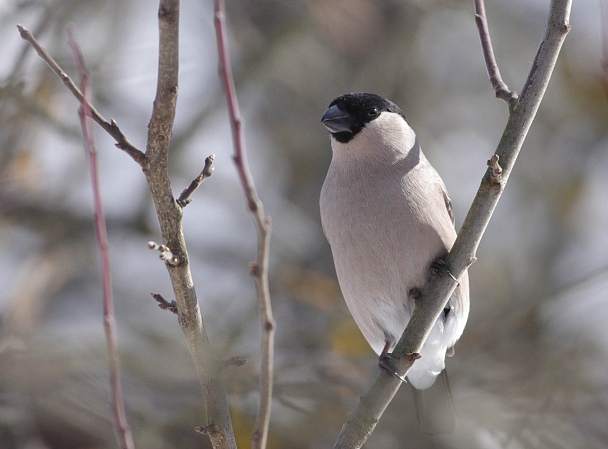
pixel 373 112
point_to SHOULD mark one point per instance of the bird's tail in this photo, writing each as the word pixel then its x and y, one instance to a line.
pixel 435 408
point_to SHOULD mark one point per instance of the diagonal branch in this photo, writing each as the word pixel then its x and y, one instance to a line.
pixel 118 408
pixel 259 269
pixel 500 87
pixel 364 418
pixel 110 127
pixel 184 199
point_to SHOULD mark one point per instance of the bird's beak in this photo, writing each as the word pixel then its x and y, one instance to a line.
pixel 336 120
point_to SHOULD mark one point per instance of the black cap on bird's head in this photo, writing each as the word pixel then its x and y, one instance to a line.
pixel 349 113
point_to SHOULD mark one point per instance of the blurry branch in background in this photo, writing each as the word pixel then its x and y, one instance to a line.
pixel 604 25
pixel 259 269
pixel 123 429
pixel 364 418
pixel 155 166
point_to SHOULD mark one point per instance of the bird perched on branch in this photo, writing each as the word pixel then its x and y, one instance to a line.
pixel 388 219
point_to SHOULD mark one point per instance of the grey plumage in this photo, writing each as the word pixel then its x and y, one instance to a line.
pixel 387 216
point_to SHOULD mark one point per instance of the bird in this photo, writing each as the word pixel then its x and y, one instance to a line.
pixel 387 216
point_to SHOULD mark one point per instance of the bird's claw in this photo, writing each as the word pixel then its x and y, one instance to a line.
pixel 384 362
pixel 439 267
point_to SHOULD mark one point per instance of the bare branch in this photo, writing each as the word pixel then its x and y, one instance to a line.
pixel 155 167
pixel 164 304
pixel 39 28
pixel 364 418
pixel 110 127
pixel 123 429
pixel 169 215
pixel 500 88
pixel 259 269
pixel 184 199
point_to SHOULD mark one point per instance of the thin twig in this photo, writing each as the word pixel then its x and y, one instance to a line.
pixel 184 199
pixel 500 87
pixel 259 269
pixel 39 28
pixel 123 429
pixel 110 127
pixel 364 418
pixel 164 304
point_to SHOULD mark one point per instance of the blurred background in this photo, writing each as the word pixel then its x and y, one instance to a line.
pixel 532 367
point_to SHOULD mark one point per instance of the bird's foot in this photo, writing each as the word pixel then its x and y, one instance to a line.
pixel 386 362
pixel 439 267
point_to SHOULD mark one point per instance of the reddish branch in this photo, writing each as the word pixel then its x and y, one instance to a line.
pixel 118 409
pixel 259 269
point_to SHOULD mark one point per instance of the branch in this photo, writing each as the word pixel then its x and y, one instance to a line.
pixel 110 127
pixel 363 420
pixel 170 221
pixel 184 199
pixel 500 88
pixel 259 269
pixel 164 304
pixel 604 22
pixel 155 167
pixel 39 28
pixel 123 429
